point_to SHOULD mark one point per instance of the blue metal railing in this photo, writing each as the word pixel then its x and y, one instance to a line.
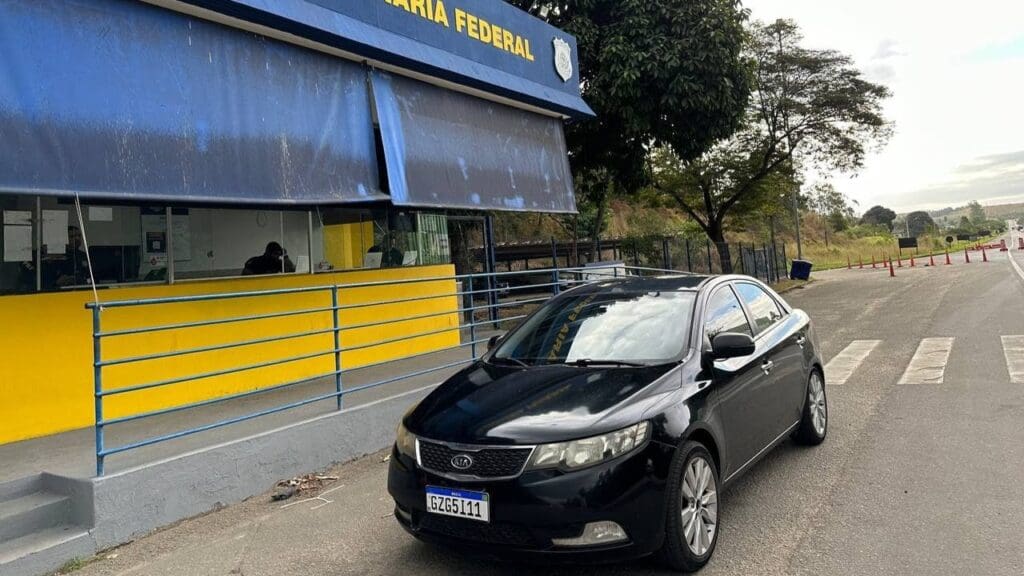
pixel 467 290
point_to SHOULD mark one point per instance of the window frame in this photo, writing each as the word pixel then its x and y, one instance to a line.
pixel 707 302
pixel 758 332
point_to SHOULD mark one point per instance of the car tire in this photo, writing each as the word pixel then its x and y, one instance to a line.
pixel 691 506
pixel 814 423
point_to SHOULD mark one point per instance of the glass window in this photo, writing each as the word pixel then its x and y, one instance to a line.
pixel 122 249
pixel 763 307
pixel 224 242
pixel 378 238
pixel 724 314
pixel 18 244
pixel 646 327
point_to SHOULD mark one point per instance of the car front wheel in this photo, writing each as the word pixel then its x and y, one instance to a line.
pixel 692 519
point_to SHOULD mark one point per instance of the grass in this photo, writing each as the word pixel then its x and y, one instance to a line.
pixel 835 255
pixel 74 565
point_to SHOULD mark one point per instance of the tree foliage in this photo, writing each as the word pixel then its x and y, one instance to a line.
pixel 810 109
pixel 832 204
pixel 920 223
pixel 976 212
pixel 668 72
pixel 879 216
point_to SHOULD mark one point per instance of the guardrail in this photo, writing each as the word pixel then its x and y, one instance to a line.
pixel 458 318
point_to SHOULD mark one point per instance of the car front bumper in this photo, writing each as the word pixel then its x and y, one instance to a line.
pixel 529 511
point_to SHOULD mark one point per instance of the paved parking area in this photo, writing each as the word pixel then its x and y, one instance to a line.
pixel 921 478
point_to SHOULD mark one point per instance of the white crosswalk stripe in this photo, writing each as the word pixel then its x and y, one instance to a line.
pixel 842 366
pixel 1013 350
pixel 928 366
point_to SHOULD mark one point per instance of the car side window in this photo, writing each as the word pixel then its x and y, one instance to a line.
pixel 763 307
pixel 724 314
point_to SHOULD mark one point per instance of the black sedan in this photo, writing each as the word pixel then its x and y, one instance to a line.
pixel 607 424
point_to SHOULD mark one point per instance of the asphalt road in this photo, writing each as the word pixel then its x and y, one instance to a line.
pixel 913 479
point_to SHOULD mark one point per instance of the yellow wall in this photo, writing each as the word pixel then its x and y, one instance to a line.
pixel 345 244
pixel 46 377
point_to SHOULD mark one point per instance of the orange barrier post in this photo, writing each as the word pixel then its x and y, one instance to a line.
pixel 892 271
pixel 984 257
pixel 1020 242
pixel 860 259
pixel 911 260
pixel 948 262
pixel 931 260
pixel 849 266
pixel 967 256
pixel 899 259
pixel 873 261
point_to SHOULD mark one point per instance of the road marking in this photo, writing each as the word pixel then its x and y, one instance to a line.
pixel 1015 265
pixel 841 367
pixel 929 362
pixel 1013 349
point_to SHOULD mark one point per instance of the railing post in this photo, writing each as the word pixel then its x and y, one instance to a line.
pixel 689 264
pixel 768 277
pixel 472 318
pixel 711 269
pixel 97 378
pixel 666 258
pixel 554 260
pixel 337 346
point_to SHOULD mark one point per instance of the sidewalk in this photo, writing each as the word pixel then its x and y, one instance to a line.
pixel 73 453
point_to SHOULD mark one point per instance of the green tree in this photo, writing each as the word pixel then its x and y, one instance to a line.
pixel 831 204
pixel 919 223
pixel 977 213
pixel 666 72
pixel 879 216
pixel 810 108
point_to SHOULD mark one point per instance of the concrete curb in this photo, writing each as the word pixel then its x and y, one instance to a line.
pixel 134 502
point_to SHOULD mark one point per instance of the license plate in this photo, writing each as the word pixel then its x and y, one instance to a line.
pixel 458 503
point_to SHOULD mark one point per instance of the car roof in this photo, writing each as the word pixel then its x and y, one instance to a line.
pixel 645 283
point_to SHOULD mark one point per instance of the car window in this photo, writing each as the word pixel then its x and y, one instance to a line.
pixel 763 307
pixel 724 314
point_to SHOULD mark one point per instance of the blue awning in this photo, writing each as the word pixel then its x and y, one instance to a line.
pixel 121 99
pixel 450 150
pixel 384 32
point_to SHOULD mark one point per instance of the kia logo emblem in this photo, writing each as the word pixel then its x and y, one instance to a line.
pixel 462 461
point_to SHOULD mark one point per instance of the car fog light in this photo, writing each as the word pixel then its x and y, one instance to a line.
pixel 595 533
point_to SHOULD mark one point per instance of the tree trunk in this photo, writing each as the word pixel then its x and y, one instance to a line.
pixel 595 236
pixel 717 236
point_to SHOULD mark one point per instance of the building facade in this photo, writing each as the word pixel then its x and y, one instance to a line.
pixel 164 148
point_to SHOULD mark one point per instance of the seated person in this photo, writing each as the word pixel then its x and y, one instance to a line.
pixel 274 260
pixel 392 257
pixel 68 269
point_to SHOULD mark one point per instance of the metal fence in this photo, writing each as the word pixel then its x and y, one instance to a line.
pixel 468 308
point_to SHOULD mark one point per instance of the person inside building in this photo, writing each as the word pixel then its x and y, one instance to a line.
pixel 64 270
pixel 392 256
pixel 274 260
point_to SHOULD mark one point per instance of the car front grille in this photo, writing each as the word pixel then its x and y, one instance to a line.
pixel 487 462
pixel 473 531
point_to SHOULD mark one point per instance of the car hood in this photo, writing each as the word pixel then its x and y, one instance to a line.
pixel 487 404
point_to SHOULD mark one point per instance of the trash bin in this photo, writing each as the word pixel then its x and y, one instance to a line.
pixel 801 270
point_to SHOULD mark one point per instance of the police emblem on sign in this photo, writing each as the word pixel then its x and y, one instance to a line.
pixel 563 59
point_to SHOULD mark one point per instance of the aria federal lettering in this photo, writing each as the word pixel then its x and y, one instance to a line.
pixel 469 24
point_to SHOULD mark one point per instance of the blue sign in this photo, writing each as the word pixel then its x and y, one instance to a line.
pixel 484 44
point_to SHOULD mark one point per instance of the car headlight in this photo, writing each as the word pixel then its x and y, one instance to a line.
pixel 589 451
pixel 405 442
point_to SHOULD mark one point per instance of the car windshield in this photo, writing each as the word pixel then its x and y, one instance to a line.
pixel 613 327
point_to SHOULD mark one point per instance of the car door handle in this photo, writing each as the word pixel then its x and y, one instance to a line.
pixel 800 341
pixel 767 366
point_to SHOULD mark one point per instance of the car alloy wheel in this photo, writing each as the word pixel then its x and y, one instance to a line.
pixel 816 402
pixel 699 506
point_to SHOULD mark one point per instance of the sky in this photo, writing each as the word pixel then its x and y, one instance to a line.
pixel 956 70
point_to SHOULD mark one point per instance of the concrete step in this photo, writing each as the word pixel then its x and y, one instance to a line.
pixel 45 551
pixel 21 486
pixel 32 512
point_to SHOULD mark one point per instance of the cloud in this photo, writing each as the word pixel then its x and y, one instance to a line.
pixel 996 178
pixel 888 49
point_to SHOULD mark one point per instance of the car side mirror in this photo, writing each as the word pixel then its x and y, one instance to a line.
pixel 493 341
pixel 731 345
